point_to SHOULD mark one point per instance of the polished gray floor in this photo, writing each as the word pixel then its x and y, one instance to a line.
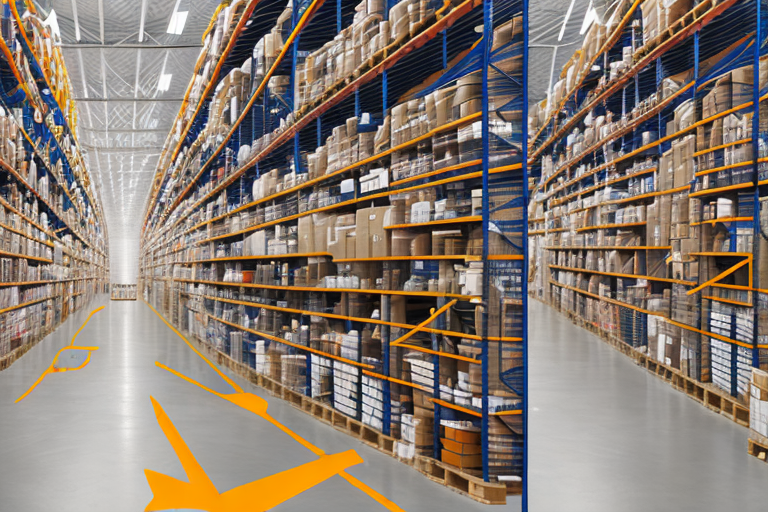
pixel 607 436
pixel 81 440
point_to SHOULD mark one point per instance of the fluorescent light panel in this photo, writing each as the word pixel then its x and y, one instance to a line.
pixel 178 20
pixel 164 83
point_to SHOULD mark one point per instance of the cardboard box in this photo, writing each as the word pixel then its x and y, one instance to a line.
pixel 462 436
pixel 306 235
pixel 461 448
pixel 462 461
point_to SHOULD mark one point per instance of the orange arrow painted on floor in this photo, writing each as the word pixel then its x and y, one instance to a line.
pixel 258 406
pixel 258 496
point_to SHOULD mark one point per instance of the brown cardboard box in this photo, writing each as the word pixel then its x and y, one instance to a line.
pixel 469 87
pixel 683 160
pixel 650 10
pixel 351 251
pixel 401 242
pixel 666 170
pixel 397 311
pixel 462 436
pixel 306 235
pixel 363 238
pixel 461 448
pixel 423 437
pixel 422 399
pixel 380 237
pixel 675 11
pixel 470 107
pixel 421 245
pixel 462 461
pixel 444 109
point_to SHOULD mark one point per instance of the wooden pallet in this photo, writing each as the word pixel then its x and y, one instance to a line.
pixel 757 449
pixel 708 395
pixel 460 482
pixel 468 485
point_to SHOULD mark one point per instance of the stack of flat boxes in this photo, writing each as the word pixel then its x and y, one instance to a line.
pixel 346 379
pixel 294 372
pixel 422 372
pixel 417 435
pixel 745 331
pixel 373 399
pixel 461 447
pixel 322 376
pixel 758 407
pixel 722 364
pixel 260 356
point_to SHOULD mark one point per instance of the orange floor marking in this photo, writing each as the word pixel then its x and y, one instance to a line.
pixel 258 406
pixel 258 496
pixel 52 368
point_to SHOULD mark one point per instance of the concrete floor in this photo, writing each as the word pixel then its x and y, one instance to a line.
pixel 82 439
pixel 608 436
pixel 605 434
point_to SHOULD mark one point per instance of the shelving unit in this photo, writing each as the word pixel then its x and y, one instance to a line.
pixel 355 234
pixel 649 191
pixel 124 292
pixel 53 254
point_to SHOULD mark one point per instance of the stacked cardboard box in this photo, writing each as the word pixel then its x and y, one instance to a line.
pixel 373 402
pixel 322 377
pixel 346 380
pixel 758 407
pixel 461 447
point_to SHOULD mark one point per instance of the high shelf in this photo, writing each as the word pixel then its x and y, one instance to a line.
pixel 645 218
pixel 340 210
pixel 53 252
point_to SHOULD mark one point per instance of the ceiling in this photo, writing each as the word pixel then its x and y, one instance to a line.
pixel 123 117
pixel 555 33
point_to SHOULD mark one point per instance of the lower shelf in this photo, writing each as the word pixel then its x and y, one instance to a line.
pixel 479 490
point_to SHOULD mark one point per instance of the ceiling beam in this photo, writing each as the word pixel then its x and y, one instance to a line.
pixel 141 20
pixel 101 21
pixel 74 18
pixel 128 100
pixel 127 130
pixel 130 46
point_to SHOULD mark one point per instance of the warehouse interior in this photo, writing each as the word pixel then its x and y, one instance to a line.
pixel 400 255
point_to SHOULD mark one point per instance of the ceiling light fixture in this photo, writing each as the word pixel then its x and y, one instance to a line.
pixel 565 21
pixel 164 83
pixel 178 20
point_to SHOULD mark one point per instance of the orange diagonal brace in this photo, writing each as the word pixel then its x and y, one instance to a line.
pixel 422 325
pixel 721 275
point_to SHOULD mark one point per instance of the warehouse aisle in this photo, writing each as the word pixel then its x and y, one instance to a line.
pixel 81 440
pixel 607 436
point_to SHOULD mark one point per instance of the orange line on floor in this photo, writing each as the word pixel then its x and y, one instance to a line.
pixel 258 406
pixel 199 493
pixel 52 368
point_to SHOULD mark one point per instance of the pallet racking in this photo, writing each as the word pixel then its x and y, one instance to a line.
pixel 53 255
pixel 315 236
pixel 646 213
